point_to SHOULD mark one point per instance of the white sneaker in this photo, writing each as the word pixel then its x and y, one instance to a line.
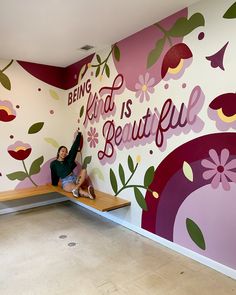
pixel 75 193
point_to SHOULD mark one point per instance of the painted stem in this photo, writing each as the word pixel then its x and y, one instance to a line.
pixel 7 66
pixel 125 185
pixel 28 174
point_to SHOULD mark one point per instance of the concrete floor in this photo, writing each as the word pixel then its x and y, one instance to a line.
pixel 64 249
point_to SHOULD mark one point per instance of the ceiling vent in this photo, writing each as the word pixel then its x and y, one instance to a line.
pixel 86 47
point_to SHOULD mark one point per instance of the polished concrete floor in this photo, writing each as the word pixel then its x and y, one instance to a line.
pixel 64 249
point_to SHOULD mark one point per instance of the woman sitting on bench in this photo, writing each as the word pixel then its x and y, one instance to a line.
pixel 62 169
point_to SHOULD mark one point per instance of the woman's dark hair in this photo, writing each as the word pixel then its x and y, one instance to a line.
pixel 61 147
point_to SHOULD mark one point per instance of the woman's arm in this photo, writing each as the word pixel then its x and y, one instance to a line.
pixel 74 149
pixel 54 177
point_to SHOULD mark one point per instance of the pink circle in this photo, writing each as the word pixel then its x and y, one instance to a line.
pixel 51 112
pixel 201 36
pixel 17 106
pixel 166 86
pixel 11 136
pixel 39 89
pixel 184 85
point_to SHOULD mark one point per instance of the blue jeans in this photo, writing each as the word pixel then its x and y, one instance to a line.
pixel 68 179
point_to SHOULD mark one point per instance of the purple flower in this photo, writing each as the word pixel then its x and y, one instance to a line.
pixel 217 58
pixel 92 137
pixel 144 86
pixel 219 169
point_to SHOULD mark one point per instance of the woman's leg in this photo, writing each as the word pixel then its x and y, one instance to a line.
pixel 81 178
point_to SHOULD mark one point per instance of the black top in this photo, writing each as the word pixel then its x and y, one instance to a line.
pixel 60 169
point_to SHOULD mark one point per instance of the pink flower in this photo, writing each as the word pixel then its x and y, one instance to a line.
pixel 144 86
pixel 7 112
pixel 219 169
pixel 92 137
pixel 19 150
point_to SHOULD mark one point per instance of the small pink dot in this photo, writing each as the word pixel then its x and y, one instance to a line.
pixel 17 106
pixel 78 120
pixel 39 89
pixel 166 86
pixel 11 136
pixel 201 36
pixel 91 73
pixel 184 85
pixel 51 112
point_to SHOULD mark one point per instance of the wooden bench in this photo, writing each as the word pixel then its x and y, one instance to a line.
pixel 103 202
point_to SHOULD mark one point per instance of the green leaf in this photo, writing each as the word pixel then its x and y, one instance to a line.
pixel 195 233
pixel 131 164
pixel 231 12
pixel 19 175
pixel 149 175
pixel 52 141
pixel 98 58
pixel 35 166
pixel 54 94
pixel 113 181
pixel 121 174
pixel 5 81
pixel 155 53
pixel 140 199
pixel 87 160
pixel 107 70
pixel 187 170
pixel 116 52
pixel 98 172
pixel 81 111
pixel 183 26
pixel 35 127
pixel 97 71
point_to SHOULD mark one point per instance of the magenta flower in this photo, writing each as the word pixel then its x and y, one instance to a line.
pixel 19 150
pixel 144 86
pixel 219 169
pixel 92 137
pixel 7 112
pixel 217 58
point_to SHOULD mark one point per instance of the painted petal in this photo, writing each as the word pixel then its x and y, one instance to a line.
pixel 151 82
pixel 141 80
pixel 89 139
pixel 147 96
pixel 150 89
pixel 187 170
pixel 216 180
pixel 96 134
pixel 231 175
pixel 225 182
pixel 95 140
pixel 230 165
pixel 138 86
pixel 89 134
pixel 138 93
pixel 208 174
pixel 224 156
pixel 208 164
pixel 141 97
pixel 214 156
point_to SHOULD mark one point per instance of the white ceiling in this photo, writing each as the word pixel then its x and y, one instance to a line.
pixel 52 31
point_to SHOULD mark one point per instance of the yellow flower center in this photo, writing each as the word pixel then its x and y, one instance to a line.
pixel 144 88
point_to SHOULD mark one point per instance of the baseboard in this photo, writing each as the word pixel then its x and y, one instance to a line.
pixel 173 246
pixel 32 205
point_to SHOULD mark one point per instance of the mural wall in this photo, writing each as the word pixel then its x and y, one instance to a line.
pixel 157 113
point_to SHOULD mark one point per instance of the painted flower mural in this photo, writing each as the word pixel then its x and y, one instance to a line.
pixel 7 112
pixel 176 60
pixel 218 58
pixel 218 169
pixel 222 110
pixel 144 86
pixel 21 151
pixel 92 137
pixel 193 212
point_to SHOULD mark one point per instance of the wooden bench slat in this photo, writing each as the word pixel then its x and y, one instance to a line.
pixel 103 201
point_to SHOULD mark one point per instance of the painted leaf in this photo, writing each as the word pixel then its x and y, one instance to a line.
pixel 52 141
pixel 131 164
pixel 149 175
pixel 19 175
pixel 231 12
pixel 54 94
pixel 98 58
pixel 35 127
pixel 98 172
pixel 113 181
pixel 140 199
pixel 155 53
pixel 117 52
pixel 97 71
pixel 35 166
pixel 195 233
pixel 81 111
pixel 87 160
pixel 5 81
pixel 122 174
pixel 107 69
pixel 187 170
pixel 184 26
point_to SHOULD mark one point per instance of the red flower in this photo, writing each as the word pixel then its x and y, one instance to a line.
pixel 19 150
pixel 174 59
pixel 7 113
